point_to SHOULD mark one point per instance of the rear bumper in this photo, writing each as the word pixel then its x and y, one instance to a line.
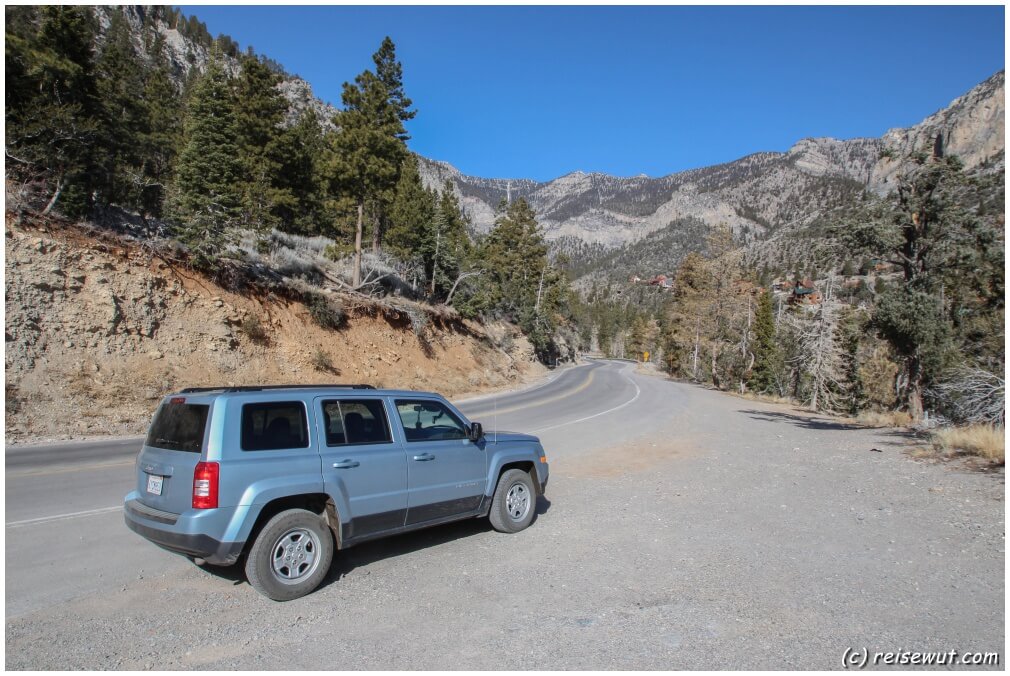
pixel 200 546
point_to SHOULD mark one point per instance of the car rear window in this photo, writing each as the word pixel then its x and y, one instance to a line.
pixel 179 427
pixel 273 426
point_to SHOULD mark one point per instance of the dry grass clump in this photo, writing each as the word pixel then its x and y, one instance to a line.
pixel 322 361
pixel 253 328
pixel 884 419
pixel 770 398
pixel 984 441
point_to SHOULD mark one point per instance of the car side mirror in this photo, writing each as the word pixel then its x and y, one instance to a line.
pixel 475 432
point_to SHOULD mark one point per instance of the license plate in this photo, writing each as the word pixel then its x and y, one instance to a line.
pixel 154 484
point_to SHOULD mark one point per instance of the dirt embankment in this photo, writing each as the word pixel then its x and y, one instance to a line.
pixel 98 330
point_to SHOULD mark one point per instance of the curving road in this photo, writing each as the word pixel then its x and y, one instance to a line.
pixel 683 529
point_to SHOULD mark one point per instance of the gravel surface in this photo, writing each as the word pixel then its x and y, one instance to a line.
pixel 693 530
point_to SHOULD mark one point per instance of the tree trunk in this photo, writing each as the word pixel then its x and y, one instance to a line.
pixel 434 263
pixel 715 370
pixel 377 231
pixel 55 197
pixel 915 389
pixel 462 276
pixel 697 343
pixel 540 289
pixel 356 277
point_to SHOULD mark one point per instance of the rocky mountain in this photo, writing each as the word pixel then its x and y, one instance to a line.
pixel 188 48
pixel 756 195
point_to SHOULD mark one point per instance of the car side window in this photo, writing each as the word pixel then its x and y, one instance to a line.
pixel 274 425
pixel 427 420
pixel 355 421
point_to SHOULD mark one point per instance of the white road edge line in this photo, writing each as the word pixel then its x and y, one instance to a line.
pixel 63 517
pixel 638 392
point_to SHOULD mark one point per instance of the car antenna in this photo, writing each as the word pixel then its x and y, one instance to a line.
pixel 496 418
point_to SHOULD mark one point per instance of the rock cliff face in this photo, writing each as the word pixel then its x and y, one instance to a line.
pixel 754 195
pixel 186 55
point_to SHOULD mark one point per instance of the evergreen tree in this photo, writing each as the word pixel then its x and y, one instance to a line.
pixel 412 209
pixel 208 200
pixel 297 183
pixel 161 138
pixel 390 73
pixel 53 113
pixel 519 282
pixel 120 78
pixel 926 230
pixel 768 365
pixel 259 113
pixel 367 150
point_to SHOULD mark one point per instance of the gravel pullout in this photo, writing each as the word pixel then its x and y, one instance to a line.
pixel 690 531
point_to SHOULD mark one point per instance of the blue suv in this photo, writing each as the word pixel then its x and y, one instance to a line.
pixel 282 476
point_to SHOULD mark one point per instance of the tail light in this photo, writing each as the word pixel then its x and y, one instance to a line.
pixel 205 481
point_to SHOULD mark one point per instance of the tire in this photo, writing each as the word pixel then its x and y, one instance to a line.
pixel 291 555
pixel 514 503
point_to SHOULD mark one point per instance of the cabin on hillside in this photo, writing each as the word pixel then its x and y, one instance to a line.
pixel 805 293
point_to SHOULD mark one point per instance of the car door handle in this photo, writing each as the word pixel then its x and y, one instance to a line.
pixel 424 457
pixel 345 464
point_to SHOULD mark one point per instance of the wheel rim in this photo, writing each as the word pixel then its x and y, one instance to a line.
pixel 295 555
pixel 517 502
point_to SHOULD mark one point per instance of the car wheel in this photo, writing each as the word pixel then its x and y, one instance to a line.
pixel 290 556
pixel 514 502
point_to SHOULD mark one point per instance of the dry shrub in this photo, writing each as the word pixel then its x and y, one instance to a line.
pixel 876 376
pixel 252 327
pixel 884 418
pixel 984 441
pixel 326 312
pixel 771 398
pixel 321 361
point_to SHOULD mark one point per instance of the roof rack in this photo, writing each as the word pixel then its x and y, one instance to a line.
pixel 257 388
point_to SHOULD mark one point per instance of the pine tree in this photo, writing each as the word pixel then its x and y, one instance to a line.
pixel 412 209
pixel 53 113
pixel 924 228
pixel 767 372
pixel 259 112
pixel 821 358
pixel 298 181
pixel 390 73
pixel 161 138
pixel 366 151
pixel 125 118
pixel 208 200
pixel 519 282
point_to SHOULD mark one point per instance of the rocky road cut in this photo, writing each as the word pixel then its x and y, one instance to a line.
pixel 682 529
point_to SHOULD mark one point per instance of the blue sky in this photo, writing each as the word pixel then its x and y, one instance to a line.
pixel 537 92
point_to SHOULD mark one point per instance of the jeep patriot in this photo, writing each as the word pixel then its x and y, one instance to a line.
pixel 279 477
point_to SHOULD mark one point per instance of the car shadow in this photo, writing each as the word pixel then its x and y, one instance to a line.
pixel 386 548
pixel 408 543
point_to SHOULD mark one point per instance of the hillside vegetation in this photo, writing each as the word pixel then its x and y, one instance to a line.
pixel 103 123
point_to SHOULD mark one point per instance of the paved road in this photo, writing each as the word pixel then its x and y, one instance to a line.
pixel 683 529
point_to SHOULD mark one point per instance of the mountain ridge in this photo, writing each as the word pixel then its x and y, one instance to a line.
pixel 815 175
